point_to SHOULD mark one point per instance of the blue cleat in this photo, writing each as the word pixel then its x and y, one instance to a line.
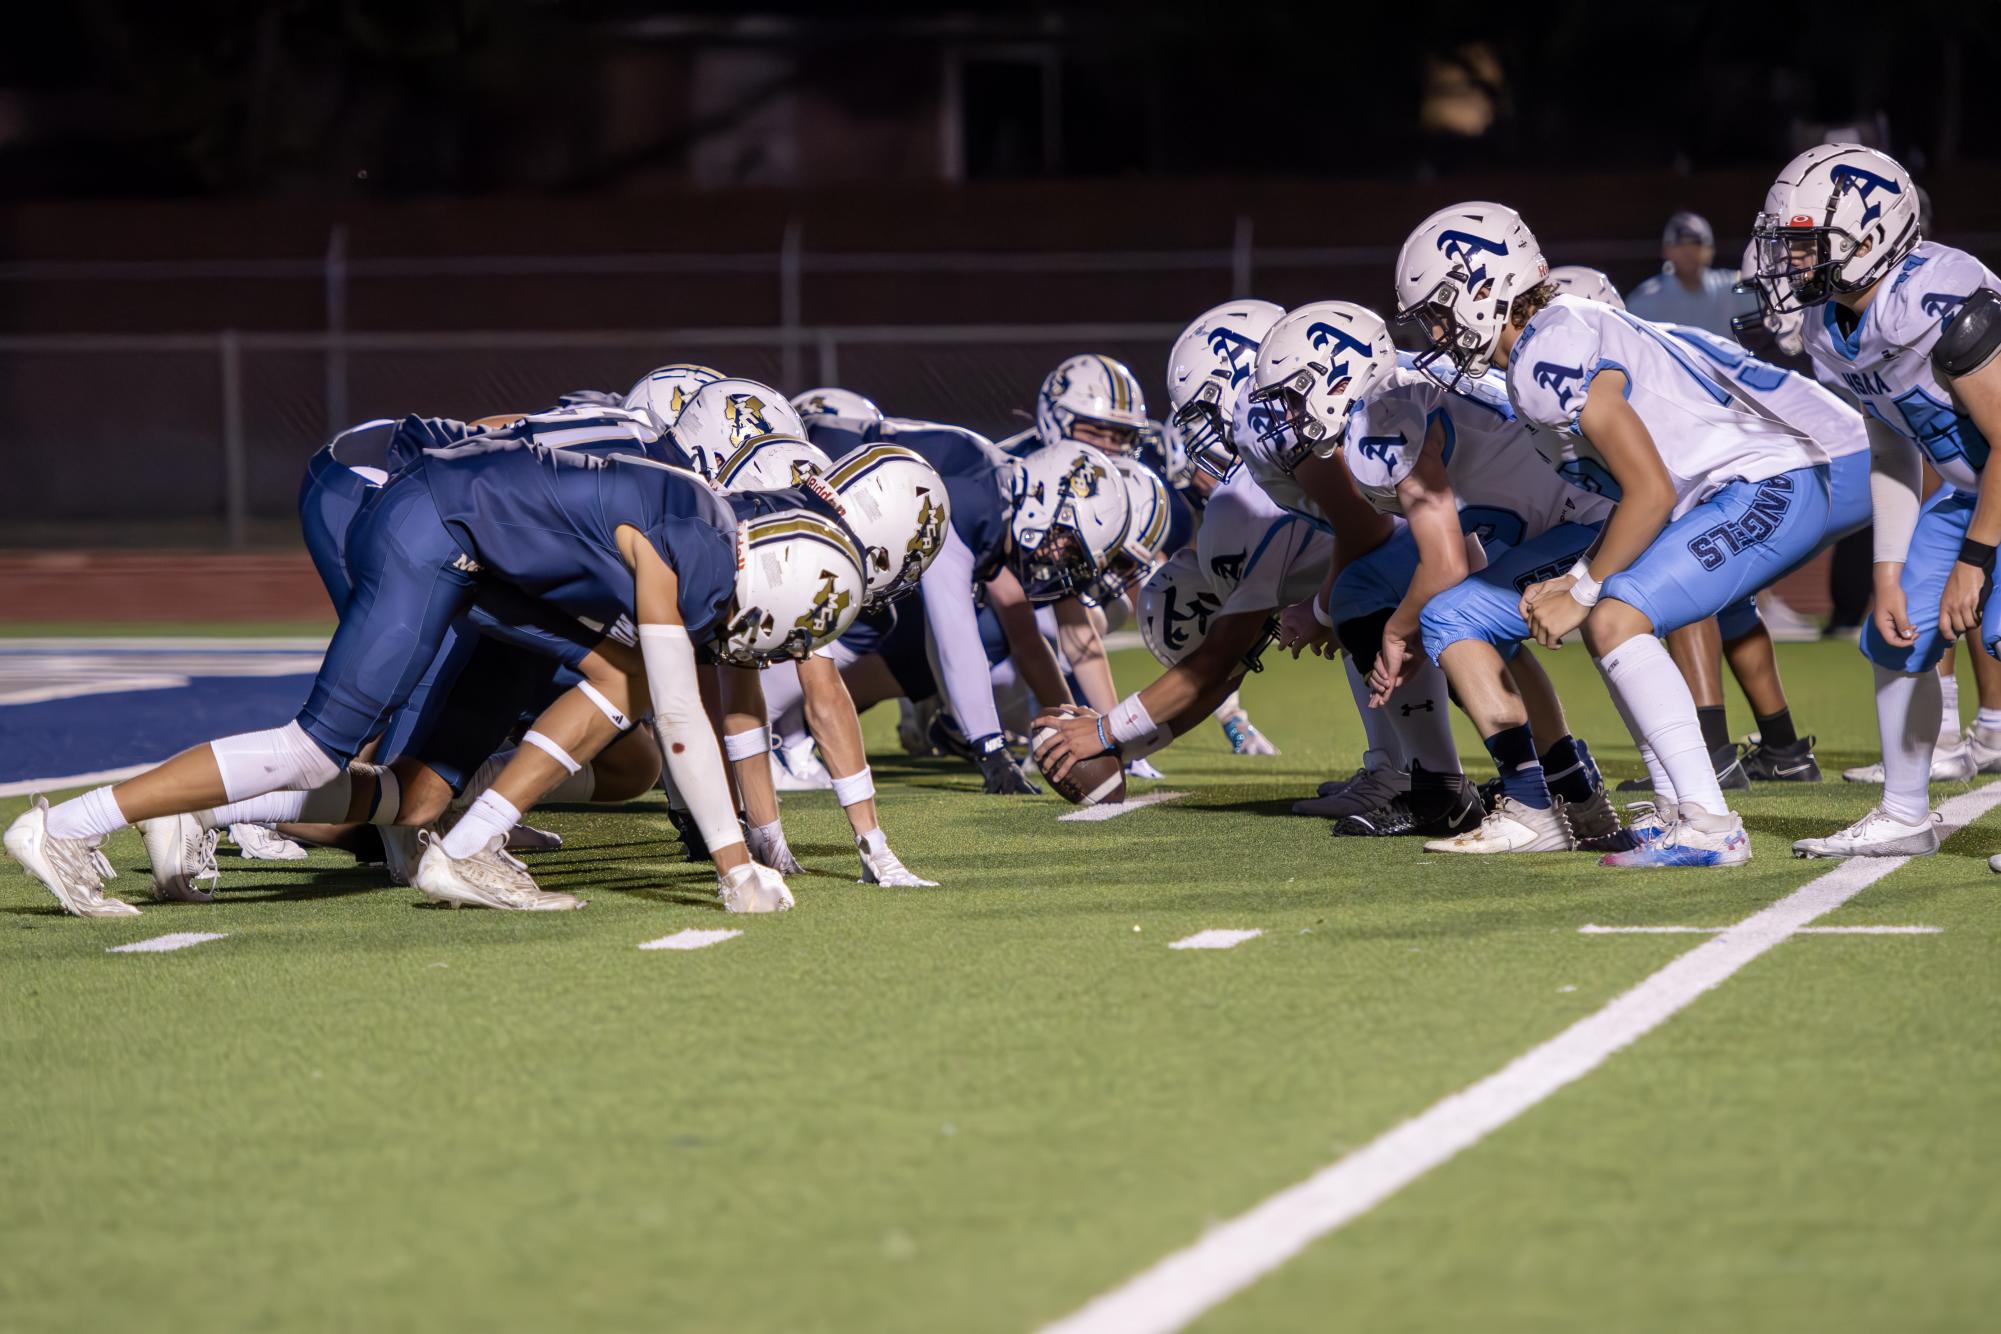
pixel 1696 838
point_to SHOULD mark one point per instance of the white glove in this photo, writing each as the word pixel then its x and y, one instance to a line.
pixel 767 845
pixel 1142 768
pixel 881 866
pixel 753 888
pixel 1245 739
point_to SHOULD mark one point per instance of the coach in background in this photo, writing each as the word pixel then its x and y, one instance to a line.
pixel 1688 290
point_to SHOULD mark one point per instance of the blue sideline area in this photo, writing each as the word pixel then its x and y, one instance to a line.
pixel 89 733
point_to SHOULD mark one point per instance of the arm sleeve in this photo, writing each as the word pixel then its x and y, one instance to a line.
pixel 954 624
pixel 1896 477
pixel 687 740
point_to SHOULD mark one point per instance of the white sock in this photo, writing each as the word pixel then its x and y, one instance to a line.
pixel 1654 697
pixel 1948 719
pixel 576 787
pixel 485 820
pixel 1988 720
pixel 1384 752
pixel 1905 705
pixel 92 815
pixel 1420 712
pixel 1656 773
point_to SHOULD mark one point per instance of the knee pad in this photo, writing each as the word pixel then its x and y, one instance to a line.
pixel 253 763
pixel 388 794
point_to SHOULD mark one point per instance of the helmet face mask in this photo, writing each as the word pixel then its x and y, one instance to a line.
pixel 1058 565
pixel 1200 424
pixel 1209 362
pixel 1316 367
pixel 1070 512
pixel 1782 327
pixel 1091 400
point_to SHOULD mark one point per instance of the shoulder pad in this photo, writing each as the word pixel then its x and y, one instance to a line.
pixel 1971 336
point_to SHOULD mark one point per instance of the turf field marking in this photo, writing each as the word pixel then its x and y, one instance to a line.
pixel 1112 810
pixel 178 940
pixel 29 786
pixel 690 939
pixel 1216 939
pixel 1233 1255
pixel 1594 930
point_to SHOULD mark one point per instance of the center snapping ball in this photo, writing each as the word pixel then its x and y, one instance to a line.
pixel 1100 778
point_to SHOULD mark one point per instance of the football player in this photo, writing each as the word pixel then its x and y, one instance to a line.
pixel 1912 329
pixel 1678 546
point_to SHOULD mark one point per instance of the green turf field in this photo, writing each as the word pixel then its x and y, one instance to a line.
pixel 976 1107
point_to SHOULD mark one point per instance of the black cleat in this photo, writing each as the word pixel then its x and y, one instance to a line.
pixel 1437 806
pixel 1730 772
pixel 1782 764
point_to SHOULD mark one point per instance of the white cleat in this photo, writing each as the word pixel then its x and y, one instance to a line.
pixel 1143 768
pixel 881 865
pixel 1985 747
pixel 797 769
pixel 753 888
pixel 1875 835
pixel 487 879
pixel 1511 827
pixel 72 869
pixel 1950 764
pixel 1696 838
pixel 261 843
pixel 182 854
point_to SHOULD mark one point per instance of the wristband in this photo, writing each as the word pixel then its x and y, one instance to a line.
pixel 1322 615
pixel 1104 740
pixel 1980 555
pixel 855 787
pixel 747 745
pixel 1585 591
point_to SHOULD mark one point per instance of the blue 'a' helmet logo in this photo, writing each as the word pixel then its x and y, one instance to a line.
pixel 1866 183
pixel 1467 249
pixel 1235 349
pixel 1555 378
pixel 1337 341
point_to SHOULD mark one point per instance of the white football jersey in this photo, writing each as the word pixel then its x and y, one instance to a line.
pixel 1887 363
pixel 1258 447
pixel 1255 555
pixel 1508 491
pixel 1706 437
pixel 1793 398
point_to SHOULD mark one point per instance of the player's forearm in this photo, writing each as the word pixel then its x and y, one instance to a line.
pixel 1980 394
pixel 1636 521
pixel 831 717
pixel 1084 649
pixel 747 743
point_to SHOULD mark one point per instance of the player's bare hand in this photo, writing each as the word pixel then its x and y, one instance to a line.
pixel 1299 628
pixel 1550 618
pixel 1959 605
pixel 1891 613
pixel 1396 662
pixel 1074 735
pixel 1548 588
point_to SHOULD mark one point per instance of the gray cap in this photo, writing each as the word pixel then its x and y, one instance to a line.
pixel 1685 228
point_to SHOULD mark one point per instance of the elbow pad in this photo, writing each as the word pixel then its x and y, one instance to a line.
pixel 1971 337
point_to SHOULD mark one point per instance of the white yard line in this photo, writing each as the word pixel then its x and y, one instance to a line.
pixel 1112 810
pixel 1216 939
pixel 690 939
pixel 1235 1254
pixel 179 940
pixel 1594 930
pixel 32 785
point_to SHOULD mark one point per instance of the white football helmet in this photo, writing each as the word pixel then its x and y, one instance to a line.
pixel 1209 360
pixel 1318 365
pixel 1839 218
pixel 662 394
pixel 1178 604
pixel 897 504
pixel 843 405
pixel 1459 273
pixel 1589 283
pixel 799 586
pixel 1787 327
pixel 1149 515
pixel 1095 391
pixel 1255 419
pixel 727 414
pixel 1068 513
pixel 772 463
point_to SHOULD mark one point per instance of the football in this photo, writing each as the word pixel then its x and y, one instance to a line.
pixel 1100 778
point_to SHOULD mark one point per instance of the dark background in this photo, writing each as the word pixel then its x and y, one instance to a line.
pixel 226 229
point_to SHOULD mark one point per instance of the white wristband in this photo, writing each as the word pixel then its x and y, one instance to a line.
pixel 855 787
pixel 1322 615
pixel 747 745
pixel 1129 720
pixel 1585 591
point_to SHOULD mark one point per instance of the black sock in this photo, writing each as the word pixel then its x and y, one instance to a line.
pixel 1715 728
pixel 1777 730
pixel 1567 767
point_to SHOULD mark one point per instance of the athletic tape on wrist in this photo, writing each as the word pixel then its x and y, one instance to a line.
pixel 1129 720
pixel 747 745
pixel 855 787
pixel 604 706
pixel 1586 590
pixel 552 750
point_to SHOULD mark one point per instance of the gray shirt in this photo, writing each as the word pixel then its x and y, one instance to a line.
pixel 1663 299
